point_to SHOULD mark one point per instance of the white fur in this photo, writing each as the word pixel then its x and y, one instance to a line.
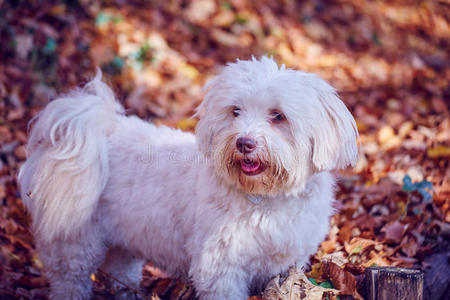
pixel 107 189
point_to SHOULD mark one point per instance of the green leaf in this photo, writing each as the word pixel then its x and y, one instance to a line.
pixel 102 19
pixel 422 187
pixel 118 62
pixel 427 196
pixel 417 211
pixel 226 5
pixel 408 186
pixel 326 284
pixel 357 250
pixel 144 53
pixel 115 66
pixel 240 19
pixel 116 19
pixel 313 281
pixel 50 46
pixel 425 184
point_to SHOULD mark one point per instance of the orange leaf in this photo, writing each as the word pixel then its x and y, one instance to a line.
pixel 342 280
pixel 393 232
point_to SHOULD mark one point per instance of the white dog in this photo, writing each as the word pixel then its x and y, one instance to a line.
pixel 245 198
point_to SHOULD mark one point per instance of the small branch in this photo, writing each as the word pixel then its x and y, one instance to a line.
pixel 137 292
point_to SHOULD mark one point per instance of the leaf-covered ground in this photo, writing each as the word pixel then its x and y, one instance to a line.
pixel 389 60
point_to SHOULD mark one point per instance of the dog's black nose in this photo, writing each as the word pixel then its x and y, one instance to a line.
pixel 245 144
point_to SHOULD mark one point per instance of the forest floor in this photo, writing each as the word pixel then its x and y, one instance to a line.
pixel 389 61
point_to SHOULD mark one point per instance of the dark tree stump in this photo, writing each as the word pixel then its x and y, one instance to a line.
pixel 387 283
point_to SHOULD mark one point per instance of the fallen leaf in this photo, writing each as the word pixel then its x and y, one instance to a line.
pixel 358 245
pixel 342 280
pixel 393 232
pixel 187 124
pixel 295 287
pixel 337 258
pixel 439 151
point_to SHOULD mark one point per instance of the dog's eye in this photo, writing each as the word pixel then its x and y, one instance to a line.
pixel 277 117
pixel 236 111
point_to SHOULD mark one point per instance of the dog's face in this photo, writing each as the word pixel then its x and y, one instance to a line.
pixel 268 129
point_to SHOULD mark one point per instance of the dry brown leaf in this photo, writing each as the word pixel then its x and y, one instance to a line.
pixel 359 245
pixel 338 258
pixel 342 280
pixel 187 124
pixel 409 246
pixel 199 11
pixel 393 232
pixel 295 287
pixel 438 151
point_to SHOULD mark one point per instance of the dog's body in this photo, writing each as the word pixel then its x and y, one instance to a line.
pixel 106 190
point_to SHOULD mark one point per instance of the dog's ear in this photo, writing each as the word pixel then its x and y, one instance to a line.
pixel 204 131
pixel 335 136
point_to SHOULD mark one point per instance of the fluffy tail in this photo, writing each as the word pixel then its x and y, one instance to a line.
pixel 67 165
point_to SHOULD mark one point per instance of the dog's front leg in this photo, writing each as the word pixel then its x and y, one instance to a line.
pixel 220 282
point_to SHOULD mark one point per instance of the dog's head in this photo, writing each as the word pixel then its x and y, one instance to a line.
pixel 268 129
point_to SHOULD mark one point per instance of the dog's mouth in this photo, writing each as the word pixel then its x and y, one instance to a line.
pixel 251 167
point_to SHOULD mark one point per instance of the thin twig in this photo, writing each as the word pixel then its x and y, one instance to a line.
pixel 123 283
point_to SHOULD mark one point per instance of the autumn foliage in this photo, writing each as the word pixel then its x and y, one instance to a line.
pixel 389 61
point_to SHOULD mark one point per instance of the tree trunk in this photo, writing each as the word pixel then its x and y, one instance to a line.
pixel 387 283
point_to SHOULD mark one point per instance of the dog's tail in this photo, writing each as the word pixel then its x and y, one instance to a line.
pixel 67 165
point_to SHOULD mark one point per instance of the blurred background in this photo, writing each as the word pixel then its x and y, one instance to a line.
pixel 389 61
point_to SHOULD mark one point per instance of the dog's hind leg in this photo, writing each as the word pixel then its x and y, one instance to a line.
pixel 124 267
pixel 69 263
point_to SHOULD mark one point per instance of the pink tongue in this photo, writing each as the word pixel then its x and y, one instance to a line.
pixel 250 166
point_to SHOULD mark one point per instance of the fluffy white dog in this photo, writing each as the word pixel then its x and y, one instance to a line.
pixel 245 198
